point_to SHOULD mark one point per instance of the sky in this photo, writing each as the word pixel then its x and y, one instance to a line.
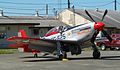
pixel 29 7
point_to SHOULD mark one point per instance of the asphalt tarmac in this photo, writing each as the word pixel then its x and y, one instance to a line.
pixel 110 60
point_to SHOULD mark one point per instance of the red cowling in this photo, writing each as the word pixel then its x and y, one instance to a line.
pixel 99 26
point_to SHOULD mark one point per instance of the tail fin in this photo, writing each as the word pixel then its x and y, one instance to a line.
pixel 22 33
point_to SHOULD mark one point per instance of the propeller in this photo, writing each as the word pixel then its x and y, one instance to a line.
pixel 94 36
pixel 104 15
pixel 99 27
pixel 107 35
pixel 89 15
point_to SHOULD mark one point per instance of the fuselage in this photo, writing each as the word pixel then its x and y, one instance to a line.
pixel 68 37
pixel 77 33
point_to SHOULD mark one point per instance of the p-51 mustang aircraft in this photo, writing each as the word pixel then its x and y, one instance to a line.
pixel 65 39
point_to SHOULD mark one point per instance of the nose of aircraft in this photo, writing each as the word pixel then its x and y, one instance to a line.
pixel 99 26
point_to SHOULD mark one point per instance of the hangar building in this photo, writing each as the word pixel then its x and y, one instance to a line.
pixel 35 26
pixel 78 16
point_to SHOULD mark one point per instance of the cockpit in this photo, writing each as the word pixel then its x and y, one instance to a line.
pixel 56 30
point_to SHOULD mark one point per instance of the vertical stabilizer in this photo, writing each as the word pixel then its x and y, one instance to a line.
pixel 22 33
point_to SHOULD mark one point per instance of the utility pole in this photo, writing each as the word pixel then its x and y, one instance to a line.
pixel 73 15
pixel 68 4
pixel 46 9
pixel 115 5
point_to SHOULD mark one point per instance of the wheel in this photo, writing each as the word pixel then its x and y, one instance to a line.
pixel 103 47
pixel 61 57
pixel 65 56
pixel 96 54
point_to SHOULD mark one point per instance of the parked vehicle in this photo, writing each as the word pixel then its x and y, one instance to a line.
pixel 103 43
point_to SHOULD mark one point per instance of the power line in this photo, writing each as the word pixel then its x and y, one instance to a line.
pixel 32 3
pixel 118 3
pixel 24 13
pixel 29 9
pixel 83 4
pixel 18 8
pixel 97 5
pixel 92 2
pixel 23 8
pixel 19 13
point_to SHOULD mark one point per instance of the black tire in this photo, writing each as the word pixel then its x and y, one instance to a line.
pixel 96 54
pixel 65 56
pixel 103 47
pixel 61 57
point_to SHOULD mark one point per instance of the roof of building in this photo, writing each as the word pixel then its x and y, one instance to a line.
pixel 41 21
pixel 112 19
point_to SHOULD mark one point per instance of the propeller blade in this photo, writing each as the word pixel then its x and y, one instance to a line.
pixel 104 15
pixel 94 36
pixel 107 35
pixel 89 15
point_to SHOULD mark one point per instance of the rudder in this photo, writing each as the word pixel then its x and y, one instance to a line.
pixel 22 33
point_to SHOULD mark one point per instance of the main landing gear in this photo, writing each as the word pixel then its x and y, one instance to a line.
pixel 35 53
pixel 96 52
pixel 63 56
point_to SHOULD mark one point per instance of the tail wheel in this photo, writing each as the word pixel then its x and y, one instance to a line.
pixel 103 47
pixel 96 54
pixel 36 55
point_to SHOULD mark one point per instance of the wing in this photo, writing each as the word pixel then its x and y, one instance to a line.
pixel 18 39
pixel 35 43
pixel 44 45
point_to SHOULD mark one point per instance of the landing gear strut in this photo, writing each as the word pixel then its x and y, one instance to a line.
pixel 36 55
pixel 63 56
